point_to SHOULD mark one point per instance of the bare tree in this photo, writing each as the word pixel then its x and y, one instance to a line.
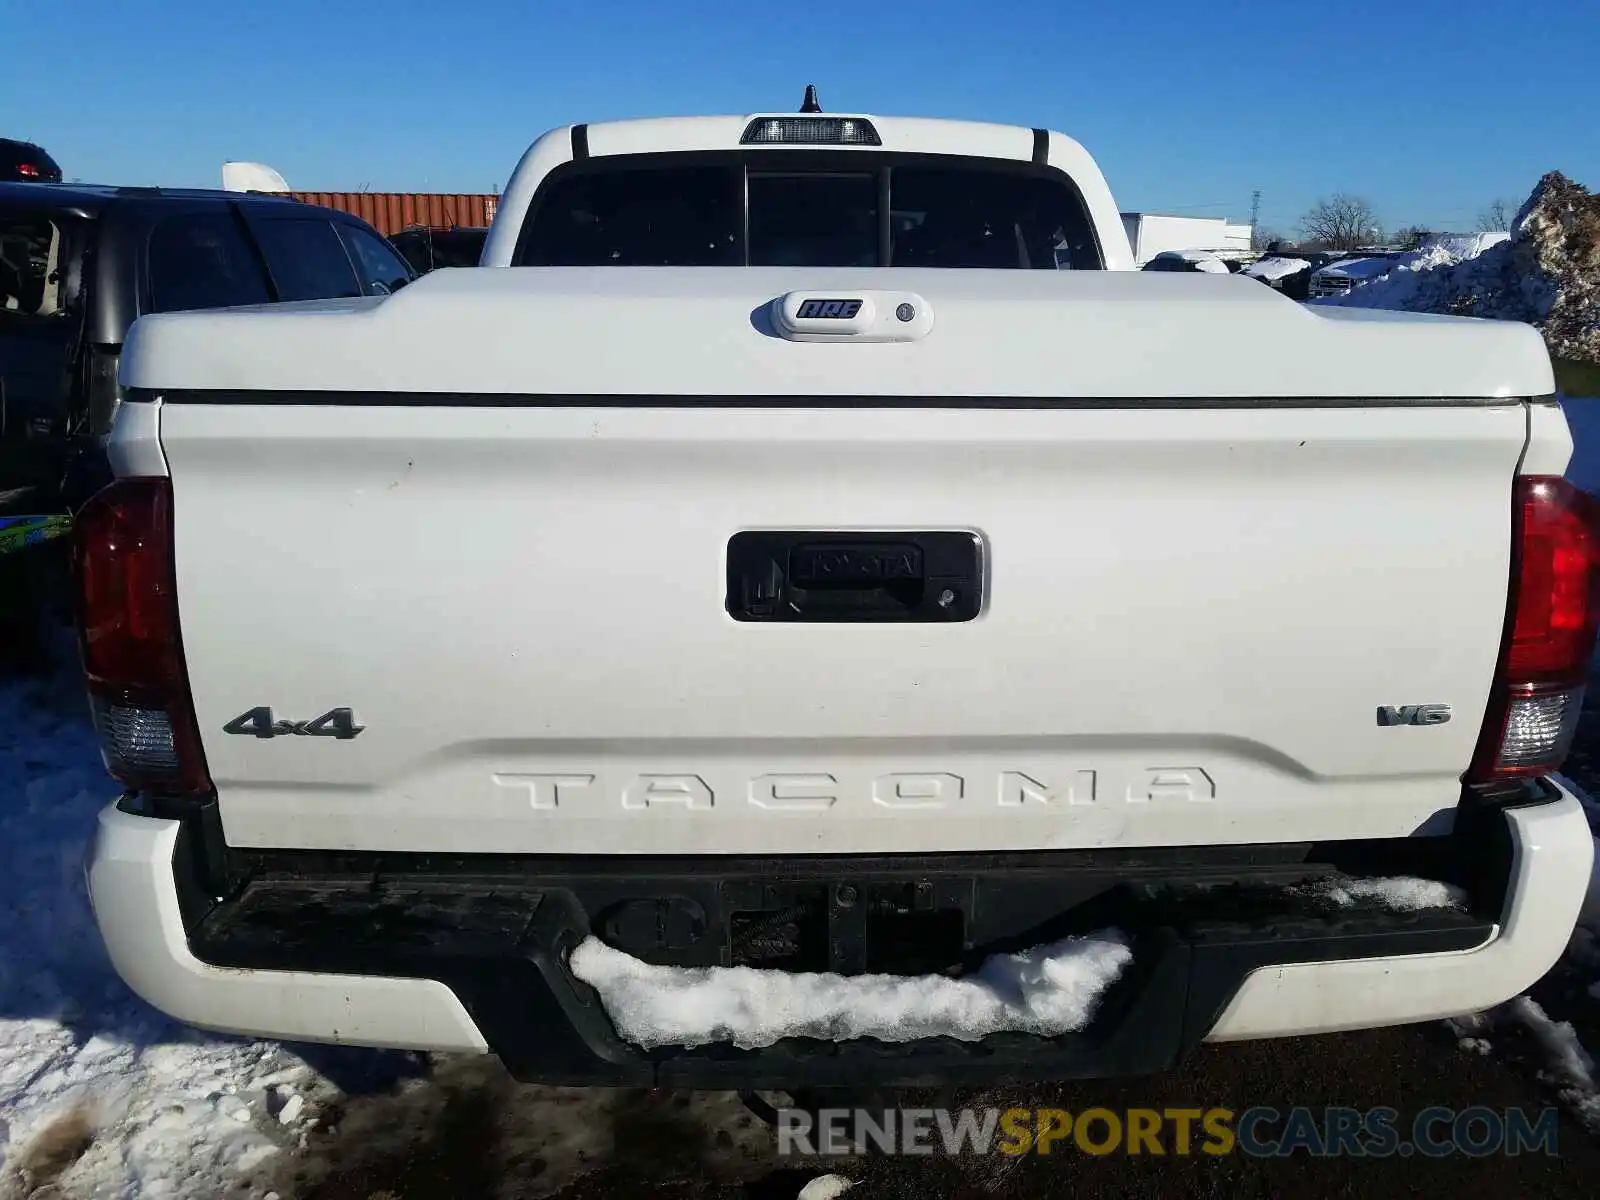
pixel 1409 238
pixel 1261 237
pixel 1497 217
pixel 1341 222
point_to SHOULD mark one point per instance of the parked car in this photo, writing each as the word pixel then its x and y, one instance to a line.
pixel 1351 271
pixel 1291 276
pixel 1203 262
pixel 78 264
pixel 26 163
pixel 547 641
pixel 427 248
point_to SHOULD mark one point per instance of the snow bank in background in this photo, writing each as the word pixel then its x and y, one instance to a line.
pixel 1465 245
pixel 1400 280
pixel 1403 893
pixel 1547 273
pixel 1047 990
pixel 155 1108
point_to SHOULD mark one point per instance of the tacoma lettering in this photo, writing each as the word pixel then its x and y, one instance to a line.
pixel 818 791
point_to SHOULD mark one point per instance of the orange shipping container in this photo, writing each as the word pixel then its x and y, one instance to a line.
pixel 390 212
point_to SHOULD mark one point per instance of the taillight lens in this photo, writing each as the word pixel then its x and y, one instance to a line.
pixel 1550 633
pixel 128 634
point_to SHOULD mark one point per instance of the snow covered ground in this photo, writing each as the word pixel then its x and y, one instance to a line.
pixel 1565 1064
pixel 98 1091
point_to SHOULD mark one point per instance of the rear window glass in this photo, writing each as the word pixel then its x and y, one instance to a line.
pixel 379 265
pixel 645 217
pixel 306 258
pixel 751 211
pixel 31 269
pixel 813 220
pixel 948 217
pixel 202 260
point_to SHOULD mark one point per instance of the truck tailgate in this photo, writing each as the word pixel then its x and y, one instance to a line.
pixel 1190 618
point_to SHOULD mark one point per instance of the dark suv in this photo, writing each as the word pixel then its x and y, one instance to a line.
pixel 426 249
pixel 78 264
pixel 27 163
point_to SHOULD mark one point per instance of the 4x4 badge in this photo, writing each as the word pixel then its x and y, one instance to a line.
pixel 258 722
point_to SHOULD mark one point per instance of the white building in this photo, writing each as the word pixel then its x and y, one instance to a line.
pixel 1151 233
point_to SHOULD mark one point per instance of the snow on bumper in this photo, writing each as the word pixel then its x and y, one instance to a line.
pixel 1046 990
pixel 1552 858
pixel 136 906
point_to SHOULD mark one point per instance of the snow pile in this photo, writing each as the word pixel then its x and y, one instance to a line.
pixel 1392 282
pixel 1402 893
pixel 1046 990
pixel 94 1084
pixel 825 1187
pixel 1464 245
pixel 1569 1066
pixel 1547 273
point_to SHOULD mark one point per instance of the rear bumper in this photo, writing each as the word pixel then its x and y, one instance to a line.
pixel 135 898
pixel 1552 858
pixel 445 962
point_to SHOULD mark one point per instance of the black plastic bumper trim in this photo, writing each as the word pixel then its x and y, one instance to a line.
pixel 501 944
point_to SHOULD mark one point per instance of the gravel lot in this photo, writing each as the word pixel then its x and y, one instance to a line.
pixel 470 1131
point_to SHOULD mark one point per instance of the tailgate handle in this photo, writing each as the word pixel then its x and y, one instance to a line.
pixel 804 576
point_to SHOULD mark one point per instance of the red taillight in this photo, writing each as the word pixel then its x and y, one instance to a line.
pixel 1550 632
pixel 128 633
pixel 28 169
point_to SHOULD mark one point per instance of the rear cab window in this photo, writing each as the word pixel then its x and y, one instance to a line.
pixel 778 208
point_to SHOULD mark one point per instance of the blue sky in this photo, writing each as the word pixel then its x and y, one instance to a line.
pixel 1428 108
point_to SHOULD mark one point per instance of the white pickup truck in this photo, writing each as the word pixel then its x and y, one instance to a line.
pixel 806 567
